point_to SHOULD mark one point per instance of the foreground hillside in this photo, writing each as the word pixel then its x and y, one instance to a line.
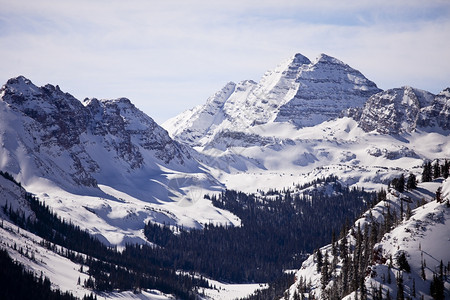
pixel 393 250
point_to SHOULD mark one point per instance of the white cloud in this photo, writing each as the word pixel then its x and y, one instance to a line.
pixel 167 56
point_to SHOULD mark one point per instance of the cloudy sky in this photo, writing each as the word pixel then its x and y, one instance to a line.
pixel 168 56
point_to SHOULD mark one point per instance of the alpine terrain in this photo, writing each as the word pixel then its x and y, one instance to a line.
pixel 311 183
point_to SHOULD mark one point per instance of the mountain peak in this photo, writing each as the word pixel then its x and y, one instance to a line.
pixel 122 102
pixel 300 59
pixel 324 58
pixel 297 91
pixel 325 88
pixel 20 84
pixel 445 92
pixel 19 80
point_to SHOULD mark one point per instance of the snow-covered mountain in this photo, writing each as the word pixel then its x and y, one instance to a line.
pixel 297 91
pixel 55 122
pixel 25 247
pixel 406 258
pixel 272 128
pixel 102 158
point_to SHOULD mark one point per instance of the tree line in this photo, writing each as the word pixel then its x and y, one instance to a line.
pixel 277 232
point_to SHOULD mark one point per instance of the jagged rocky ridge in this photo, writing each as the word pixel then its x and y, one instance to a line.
pixel 297 91
pixel 57 129
pixel 438 113
pixel 305 93
pixel 404 109
pixel 103 164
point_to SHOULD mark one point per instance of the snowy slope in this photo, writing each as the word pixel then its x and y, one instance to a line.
pixel 26 248
pixel 275 155
pixel 64 273
pixel 422 237
pixel 102 163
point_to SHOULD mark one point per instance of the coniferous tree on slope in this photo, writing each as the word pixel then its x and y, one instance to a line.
pixel 411 183
pixel 427 173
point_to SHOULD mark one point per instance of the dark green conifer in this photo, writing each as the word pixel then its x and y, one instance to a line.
pixel 427 175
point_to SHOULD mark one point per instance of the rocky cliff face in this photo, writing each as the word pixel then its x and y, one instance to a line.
pixel 325 88
pixel 135 130
pixel 401 110
pixel 297 91
pixel 438 113
pixel 64 136
pixel 62 117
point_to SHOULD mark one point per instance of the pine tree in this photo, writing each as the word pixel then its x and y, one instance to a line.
pixel 381 195
pixel 325 271
pixel 319 260
pixel 422 270
pixel 403 263
pixel 367 250
pixel 439 195
pixel 345 266
pixel 362 289
pixel 401 210
pixel 373 235
pixel 408 212
pixel 333 243
pixel 437 288
pixel 436 169
pixel 388 220
pixel 445 169
pixel 388 294
pixel 400 287
pixel 427 172
pixel 399 183
pixel 377 293
pixel 411 183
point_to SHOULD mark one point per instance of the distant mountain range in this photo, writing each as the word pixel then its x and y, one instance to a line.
pixel 305 94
